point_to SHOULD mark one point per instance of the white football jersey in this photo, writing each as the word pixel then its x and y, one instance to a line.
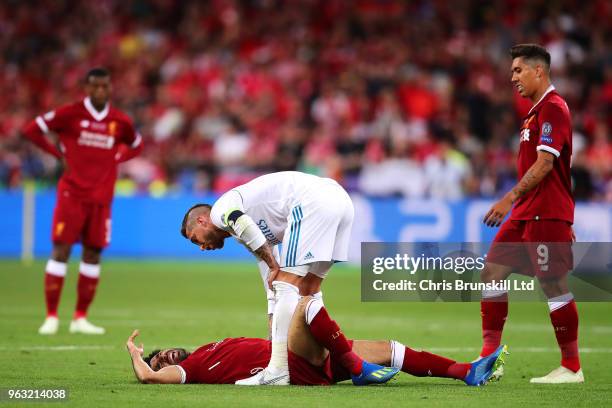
pixel 269 200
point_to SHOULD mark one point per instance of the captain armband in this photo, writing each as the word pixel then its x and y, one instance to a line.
pixel 245 229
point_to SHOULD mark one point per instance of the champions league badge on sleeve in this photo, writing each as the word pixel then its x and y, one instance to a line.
pixel 546 131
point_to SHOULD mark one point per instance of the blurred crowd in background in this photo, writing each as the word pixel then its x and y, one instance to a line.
pixel 389 97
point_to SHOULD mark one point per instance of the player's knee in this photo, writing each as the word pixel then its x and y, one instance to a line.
pixel 492 272
pixel 61 252
pixel 553 287
pixel 91 255
pixel 301 306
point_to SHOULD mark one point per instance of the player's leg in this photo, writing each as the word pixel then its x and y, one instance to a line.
pixel 553 261
pixel 96 237
pixel 417 363
pixel 55 273
pixel 65 231
pixel 500 264
pixel 425 364
pixel 327 333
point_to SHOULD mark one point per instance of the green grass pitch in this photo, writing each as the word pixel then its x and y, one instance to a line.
pixel 192 303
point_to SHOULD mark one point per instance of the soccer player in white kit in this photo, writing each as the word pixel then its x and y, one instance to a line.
pixel 311 217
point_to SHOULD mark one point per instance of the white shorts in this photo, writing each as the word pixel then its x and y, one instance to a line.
pixel 318 228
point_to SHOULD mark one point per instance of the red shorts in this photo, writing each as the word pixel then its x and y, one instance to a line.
pixel 75 220
pixel 541 248
pixel 304 373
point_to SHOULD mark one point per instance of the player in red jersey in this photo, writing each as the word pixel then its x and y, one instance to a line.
pixel 536 239
pixel 310 363
pixel 93 138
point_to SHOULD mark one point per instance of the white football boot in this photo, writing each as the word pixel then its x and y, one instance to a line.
pixel 83 326
pixel 560 375
pixel 265 377
pixel 49 327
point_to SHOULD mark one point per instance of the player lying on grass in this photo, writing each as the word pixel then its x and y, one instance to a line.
pixel 311 330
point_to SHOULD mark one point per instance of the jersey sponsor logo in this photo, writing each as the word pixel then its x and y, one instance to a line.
pixel 263 226
pixel 49 115
pixel 99 140
pixel 525 135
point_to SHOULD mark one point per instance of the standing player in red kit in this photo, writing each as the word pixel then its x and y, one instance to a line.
pixel 542 216
pixel 93 138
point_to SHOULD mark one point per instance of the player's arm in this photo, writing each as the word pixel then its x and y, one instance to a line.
pixel 536 173
pixel 36 131
pixel 144 373
pixel 127 152
pixel 132 144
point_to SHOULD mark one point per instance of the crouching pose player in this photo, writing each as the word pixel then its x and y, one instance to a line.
pixel 312 333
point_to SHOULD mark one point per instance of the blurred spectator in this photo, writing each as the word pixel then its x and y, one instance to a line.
pixel 390 97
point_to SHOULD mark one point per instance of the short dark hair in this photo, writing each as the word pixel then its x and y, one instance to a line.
pixel 152 354
pixel 531 52
pixel 186 217
pixel 97 72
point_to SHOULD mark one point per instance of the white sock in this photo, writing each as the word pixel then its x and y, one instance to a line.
pixel 397 354
pixel 56 268
pixel 558 302
pixel 287 297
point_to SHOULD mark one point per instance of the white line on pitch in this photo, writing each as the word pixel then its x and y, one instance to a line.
pixel 56 348
pixel 603 350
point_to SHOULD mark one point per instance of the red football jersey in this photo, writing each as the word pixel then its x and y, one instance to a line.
pixel 89 141
pixel 547 127
pixel 233 359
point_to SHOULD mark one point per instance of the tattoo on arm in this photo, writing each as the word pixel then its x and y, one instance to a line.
pixel 534 175
pixel 265 253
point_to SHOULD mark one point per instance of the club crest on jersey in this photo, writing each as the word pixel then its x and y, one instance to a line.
pixel 112 128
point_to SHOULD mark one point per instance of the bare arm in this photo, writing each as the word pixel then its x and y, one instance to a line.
pixel 144 373
pixel 266 254
pixel 536 173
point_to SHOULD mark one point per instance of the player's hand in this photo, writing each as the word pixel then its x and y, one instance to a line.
pixel 132 348
pixel 272 276
pixel 498 212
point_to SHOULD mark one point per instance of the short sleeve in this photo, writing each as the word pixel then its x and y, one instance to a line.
pixel 555 129
pixel 54 120
pixel 225 205
pixel 187 370
pixel 129 135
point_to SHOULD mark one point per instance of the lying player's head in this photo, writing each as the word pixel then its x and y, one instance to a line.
pixel 530 68
pixel 98 86
pixel 198 228
pixel 159 359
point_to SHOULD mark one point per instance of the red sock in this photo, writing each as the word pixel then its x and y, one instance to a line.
pixel 565 323
pixel 86 290
pixel 327 333
pixel 494 312
pixel 424 364
pixel 53 290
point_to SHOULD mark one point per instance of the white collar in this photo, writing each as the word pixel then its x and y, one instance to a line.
pixel 97 115
pixel 548 90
